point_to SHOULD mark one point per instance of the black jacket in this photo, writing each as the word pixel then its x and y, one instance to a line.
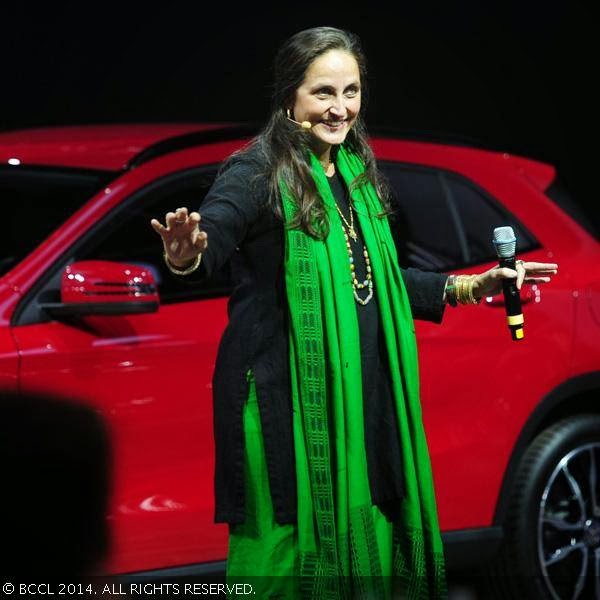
pixel 240 227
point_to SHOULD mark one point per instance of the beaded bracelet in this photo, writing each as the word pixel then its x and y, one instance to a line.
pixel 186 271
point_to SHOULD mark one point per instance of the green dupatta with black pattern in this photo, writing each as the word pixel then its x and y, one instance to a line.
pixel 345 549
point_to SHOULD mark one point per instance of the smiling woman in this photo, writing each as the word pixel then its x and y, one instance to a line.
pixel 322 466
pixel 329 98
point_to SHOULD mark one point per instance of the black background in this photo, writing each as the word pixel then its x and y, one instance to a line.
pixel 520 78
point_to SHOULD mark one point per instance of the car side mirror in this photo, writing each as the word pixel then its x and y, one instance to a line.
pixel 101 287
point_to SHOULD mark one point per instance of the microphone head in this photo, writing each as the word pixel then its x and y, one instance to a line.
pixel 505 242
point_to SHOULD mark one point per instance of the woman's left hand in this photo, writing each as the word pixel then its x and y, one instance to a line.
pixel 490 282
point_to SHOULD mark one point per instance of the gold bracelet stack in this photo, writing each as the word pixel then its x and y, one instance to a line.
pixel 459 289
pixel 187 271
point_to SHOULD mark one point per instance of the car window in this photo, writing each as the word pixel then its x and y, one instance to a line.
pixel 422 223
pixel 479 215
pixel 444 221
pixel 128 237
pixel 36 201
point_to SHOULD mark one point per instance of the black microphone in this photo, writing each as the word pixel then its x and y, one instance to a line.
pixel 506 243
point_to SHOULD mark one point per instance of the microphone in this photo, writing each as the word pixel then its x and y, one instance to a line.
pixel 305 124
pixel 505 243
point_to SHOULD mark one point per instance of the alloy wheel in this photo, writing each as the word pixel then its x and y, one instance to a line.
pixel 568 529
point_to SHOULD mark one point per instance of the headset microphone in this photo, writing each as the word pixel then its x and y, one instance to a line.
pixel 305 124
pixel 505 243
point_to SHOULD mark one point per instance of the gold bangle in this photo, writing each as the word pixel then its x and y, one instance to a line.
pixel 472 298
pixel 457 284
pixel 460 289
pixel 187 271
pixel 471 284
pixel 464 289
pixel 470 281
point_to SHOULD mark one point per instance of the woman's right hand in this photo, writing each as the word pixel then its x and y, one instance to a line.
pixel 182 238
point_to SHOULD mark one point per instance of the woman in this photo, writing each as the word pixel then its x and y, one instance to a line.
pixel 322 468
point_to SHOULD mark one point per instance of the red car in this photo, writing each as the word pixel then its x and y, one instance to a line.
pixel 88 311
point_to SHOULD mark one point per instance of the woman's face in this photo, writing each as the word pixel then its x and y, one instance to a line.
pixel 329 97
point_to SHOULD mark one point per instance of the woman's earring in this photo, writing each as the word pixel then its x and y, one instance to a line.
pixel 289 114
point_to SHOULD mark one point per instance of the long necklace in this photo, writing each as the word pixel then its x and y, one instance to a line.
pixel 350 226
pixel 368 282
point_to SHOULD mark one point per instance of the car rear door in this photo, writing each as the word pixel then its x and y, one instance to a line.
pixel 477 386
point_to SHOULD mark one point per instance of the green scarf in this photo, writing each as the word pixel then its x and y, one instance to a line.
pixel 337 538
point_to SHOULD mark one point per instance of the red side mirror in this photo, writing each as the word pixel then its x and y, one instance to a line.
pixel 98 287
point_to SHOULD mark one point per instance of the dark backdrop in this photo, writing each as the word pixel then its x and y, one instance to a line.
pixel 518 78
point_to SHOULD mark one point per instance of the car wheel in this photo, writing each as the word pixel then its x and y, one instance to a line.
pixel 551 547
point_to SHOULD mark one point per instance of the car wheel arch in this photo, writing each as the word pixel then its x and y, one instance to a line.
pixel 574 396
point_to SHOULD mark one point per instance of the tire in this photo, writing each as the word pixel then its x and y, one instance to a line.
pixel 551 547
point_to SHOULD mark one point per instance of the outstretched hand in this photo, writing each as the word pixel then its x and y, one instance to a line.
pixel 182 238
pixel 490 282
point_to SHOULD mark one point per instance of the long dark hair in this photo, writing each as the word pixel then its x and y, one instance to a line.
pixel 284 145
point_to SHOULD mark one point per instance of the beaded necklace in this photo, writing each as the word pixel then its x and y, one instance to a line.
pixel 351 233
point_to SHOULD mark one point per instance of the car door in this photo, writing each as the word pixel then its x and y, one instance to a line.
pixel 150 376
pixel 477 386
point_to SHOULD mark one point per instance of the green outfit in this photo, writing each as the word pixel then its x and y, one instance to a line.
pixel 342 546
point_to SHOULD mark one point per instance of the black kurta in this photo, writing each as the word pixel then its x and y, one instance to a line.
pixel 382 435
pixel 242 228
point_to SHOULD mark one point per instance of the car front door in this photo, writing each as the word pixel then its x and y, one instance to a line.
pixel 150 377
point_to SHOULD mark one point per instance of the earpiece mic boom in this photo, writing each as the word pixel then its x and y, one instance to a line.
pixel 304 124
